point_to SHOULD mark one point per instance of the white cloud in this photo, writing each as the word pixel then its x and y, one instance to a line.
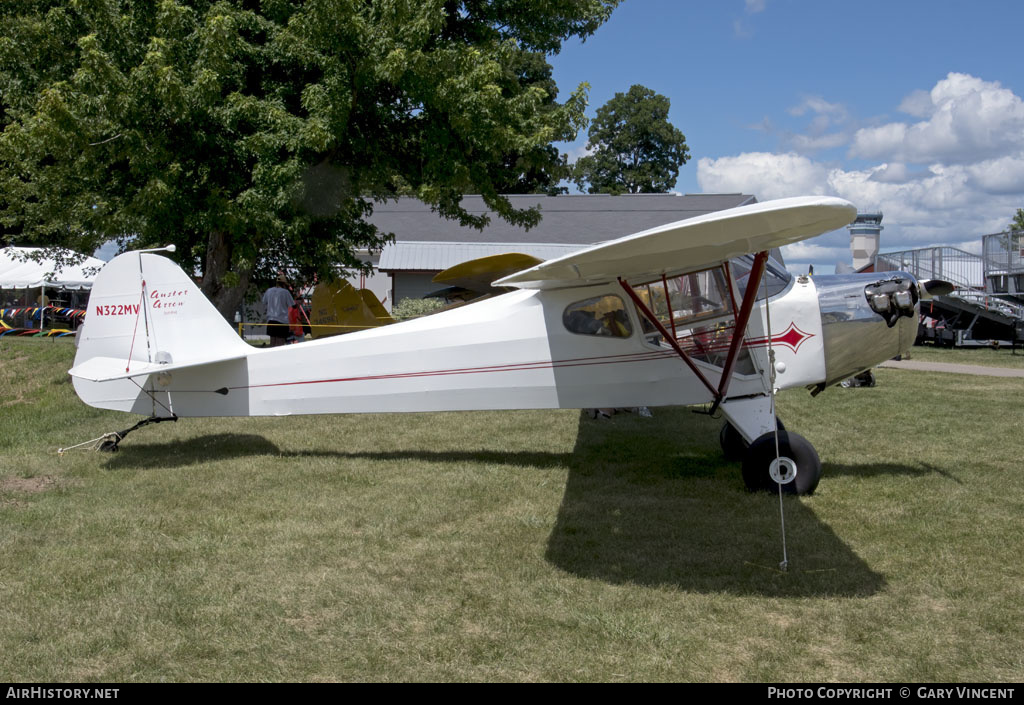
pixel 880 142
pixel 895 173
pixel 750 7
pixel 999 176
pixel 941 206
pixel 580 150
pixel 812 251
pixel 820 106
pixel 808 144
pixel 740 29
pixel 968 119
pixel 919 104
pixel 948 179
pixel 828 126
pixel 763 174
pixel 972 246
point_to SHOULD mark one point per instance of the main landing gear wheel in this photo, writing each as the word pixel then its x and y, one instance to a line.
pixel 795 451
pixel 733 446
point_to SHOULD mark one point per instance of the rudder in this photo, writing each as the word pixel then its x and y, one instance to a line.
pixel 144 309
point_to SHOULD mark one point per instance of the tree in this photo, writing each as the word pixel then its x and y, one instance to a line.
pixel 1018 220
pixel 540 169
pixel 256 135
pixel 635 149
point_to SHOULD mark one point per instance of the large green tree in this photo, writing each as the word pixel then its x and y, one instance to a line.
pixel 634 148
pixel 257 134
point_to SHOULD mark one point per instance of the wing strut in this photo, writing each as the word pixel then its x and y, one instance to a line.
pixel 746 308
pixel 749 296
pixel 669 338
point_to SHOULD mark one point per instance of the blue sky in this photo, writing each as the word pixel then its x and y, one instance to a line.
pixel 911 107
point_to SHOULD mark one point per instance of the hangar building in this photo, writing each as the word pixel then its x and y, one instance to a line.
pixel 426 243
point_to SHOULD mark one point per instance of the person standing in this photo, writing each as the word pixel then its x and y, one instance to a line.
pixel 295 323
pixel 277 301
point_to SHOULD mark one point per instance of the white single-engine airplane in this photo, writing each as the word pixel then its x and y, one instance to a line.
pixel 694 312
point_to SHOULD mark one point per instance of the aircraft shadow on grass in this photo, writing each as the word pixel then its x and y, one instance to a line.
pixel 647 501
pixel 183 453
pixel 228 446
pixel 836 470
pixel 685 520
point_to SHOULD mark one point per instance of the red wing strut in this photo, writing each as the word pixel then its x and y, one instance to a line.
pixel 746 308
pixel 666 335
pixel 749 296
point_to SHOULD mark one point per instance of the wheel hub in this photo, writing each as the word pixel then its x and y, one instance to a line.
pixel 782 470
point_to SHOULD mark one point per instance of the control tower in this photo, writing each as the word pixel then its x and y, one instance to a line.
pixel 865 235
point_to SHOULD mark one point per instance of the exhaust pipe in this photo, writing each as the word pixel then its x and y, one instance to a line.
pixel 930 288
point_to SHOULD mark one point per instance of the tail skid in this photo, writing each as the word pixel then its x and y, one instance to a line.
pixel 111 442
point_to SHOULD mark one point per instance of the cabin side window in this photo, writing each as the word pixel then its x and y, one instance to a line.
pixel 601 315
pixel 698 310
pixel 679 302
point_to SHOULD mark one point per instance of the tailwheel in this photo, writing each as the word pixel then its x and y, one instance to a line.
pixel 734 448
pixel 796 456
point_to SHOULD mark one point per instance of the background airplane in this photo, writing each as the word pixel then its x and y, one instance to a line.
pixel 338 308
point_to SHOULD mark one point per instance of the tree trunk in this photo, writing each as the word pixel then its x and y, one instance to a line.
pixel 218 263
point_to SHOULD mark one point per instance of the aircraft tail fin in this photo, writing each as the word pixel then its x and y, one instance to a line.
pixel 376 308
pixel 338 308
pixel 144 312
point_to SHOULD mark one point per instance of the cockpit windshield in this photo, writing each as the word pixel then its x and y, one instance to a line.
pixel 776 278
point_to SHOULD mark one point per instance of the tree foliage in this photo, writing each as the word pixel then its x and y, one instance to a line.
pixel 1018 220
pixel 635 149
pixel 256 135
pixel 414 308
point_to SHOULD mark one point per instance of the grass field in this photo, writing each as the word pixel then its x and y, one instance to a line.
pixel 986 357
pixel 525 546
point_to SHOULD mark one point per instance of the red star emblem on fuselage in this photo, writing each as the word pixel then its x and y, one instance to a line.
pixel 792 338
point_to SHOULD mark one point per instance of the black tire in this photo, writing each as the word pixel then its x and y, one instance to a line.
pixel 734 448
pixel 733 445
pixel 761 453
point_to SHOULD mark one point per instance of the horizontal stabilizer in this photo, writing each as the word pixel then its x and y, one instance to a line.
pixel 104 369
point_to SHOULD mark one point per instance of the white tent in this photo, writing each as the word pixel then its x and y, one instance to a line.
pixel 16 273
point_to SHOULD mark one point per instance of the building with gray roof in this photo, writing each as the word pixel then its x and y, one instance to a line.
pixel 425 243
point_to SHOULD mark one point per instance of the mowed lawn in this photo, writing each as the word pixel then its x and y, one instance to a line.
pixel 984 356
pixel 520 546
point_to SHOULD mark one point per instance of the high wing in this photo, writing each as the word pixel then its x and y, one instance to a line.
pixel 691 244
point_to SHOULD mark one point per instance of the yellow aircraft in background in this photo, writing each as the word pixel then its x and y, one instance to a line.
pixel 338 307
